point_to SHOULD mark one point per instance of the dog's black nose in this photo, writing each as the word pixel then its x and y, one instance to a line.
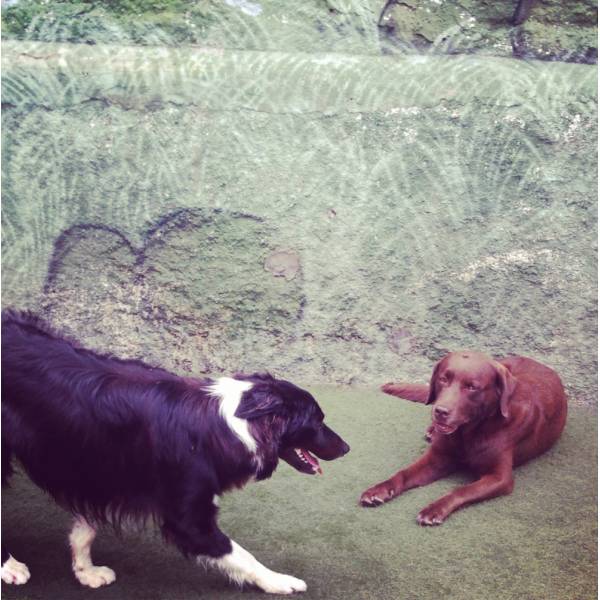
pixel 345 449
pixel 441 412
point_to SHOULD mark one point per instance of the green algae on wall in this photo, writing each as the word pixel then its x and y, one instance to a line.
pixel 555 30
pixel 208 211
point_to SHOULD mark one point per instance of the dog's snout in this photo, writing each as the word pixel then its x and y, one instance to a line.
pixel 441 412
pixel 345 449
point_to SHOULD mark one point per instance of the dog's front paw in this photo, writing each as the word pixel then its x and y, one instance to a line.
pixel 378 494
pixel 95 577
pixel 279 583
pixel 14 572
pixel 434 514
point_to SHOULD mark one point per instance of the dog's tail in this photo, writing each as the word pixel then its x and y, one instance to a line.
pixel 414 392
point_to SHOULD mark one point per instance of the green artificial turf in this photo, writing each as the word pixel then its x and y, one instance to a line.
pixel 539 543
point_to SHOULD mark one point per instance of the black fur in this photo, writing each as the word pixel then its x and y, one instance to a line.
pixel 110 439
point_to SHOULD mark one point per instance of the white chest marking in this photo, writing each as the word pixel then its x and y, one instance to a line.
pixel 230 393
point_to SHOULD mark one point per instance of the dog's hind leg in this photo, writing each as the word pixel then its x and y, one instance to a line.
pixel 415 392
pixel 81 537
pixel 11 570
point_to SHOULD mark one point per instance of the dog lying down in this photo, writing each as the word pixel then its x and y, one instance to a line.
pixel 488 416
pixel 114 439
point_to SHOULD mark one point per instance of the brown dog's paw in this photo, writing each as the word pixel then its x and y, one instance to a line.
pixel 434 514
pixel 377 495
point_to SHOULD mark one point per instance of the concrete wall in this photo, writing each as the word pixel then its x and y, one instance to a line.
pixel 330 217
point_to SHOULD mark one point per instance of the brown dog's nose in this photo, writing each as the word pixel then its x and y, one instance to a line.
pixel 441 413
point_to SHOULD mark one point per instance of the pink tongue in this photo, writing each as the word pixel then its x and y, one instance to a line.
pixel 312 460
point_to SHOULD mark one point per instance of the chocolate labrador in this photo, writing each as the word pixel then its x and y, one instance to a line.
pixel 488 416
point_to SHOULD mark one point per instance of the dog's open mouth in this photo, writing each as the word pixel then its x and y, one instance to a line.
pixel 302 460
pixel 306 457
pixel 445 429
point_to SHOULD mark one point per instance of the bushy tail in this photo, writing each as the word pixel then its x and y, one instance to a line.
pixel 414 392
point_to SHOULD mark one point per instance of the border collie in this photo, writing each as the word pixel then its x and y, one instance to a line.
pixel 113 439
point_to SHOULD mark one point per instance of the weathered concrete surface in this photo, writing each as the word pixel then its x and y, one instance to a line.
pixel 328 217
pixel 555 30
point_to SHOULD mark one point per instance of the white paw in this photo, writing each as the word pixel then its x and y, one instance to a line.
pixel 278 583
pixel 95 577
pixel 13 571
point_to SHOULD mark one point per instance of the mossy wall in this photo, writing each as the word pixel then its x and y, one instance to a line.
pixel 330 216
pixel 554 29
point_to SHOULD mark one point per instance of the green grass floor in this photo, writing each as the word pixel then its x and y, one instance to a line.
pixel 538 543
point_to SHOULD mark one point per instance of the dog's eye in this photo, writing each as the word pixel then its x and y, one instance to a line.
pixel 443 380
pixel 472 387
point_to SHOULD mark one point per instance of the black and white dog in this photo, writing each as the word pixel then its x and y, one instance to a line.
pixel 113 439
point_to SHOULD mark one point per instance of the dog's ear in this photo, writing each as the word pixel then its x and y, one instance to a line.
pixel 433 383
pixel 506 383
pixel 258 402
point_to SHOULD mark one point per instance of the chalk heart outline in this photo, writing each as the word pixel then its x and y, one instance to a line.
pixel 196 280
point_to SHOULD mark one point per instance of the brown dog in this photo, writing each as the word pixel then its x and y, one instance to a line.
pixel 488 417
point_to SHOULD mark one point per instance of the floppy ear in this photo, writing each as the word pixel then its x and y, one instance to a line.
pixel 432 384
pixel 258 402
pixel 506 383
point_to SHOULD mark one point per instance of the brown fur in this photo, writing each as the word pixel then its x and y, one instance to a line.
pixel 488 416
